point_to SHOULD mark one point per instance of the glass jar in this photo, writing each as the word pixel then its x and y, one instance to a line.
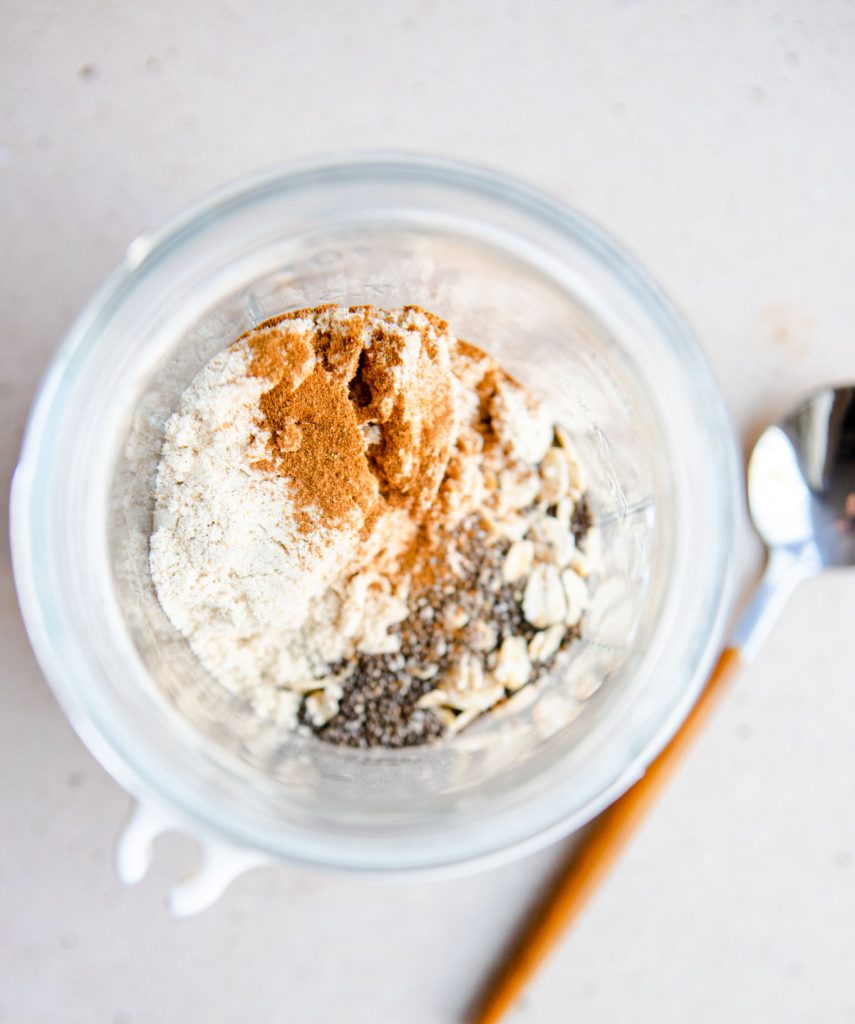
pixel 566 312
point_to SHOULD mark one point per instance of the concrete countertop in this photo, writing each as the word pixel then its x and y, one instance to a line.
pixel 717 142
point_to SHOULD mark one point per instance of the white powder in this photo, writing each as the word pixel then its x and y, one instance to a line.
pixel 231 569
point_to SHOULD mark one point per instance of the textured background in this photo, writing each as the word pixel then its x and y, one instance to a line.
pixel 717 141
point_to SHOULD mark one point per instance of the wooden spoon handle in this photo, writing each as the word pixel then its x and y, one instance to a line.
pixel 609 834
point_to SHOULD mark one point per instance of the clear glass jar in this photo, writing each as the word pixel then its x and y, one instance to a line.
pixel 566 312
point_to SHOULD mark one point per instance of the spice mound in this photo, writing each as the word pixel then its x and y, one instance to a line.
pixel 367 529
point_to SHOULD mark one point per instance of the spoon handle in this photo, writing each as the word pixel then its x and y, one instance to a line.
pixel 592 860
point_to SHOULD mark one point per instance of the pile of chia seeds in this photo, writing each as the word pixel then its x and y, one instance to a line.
pixel 379 704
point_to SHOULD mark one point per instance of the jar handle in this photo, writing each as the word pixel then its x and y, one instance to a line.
pixel 220 865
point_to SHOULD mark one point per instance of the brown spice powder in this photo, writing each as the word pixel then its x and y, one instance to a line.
pixel 328 469
pixel 330 385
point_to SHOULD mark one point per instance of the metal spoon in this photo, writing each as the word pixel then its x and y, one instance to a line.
pixel 801 491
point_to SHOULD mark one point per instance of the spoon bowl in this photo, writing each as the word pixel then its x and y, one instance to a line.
pixel 801 480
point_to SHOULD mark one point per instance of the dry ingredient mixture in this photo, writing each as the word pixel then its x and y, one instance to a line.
pixel 366 528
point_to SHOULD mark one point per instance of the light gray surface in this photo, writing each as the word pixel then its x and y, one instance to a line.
pixel 717 141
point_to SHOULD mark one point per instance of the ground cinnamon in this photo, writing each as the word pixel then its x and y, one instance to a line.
pixel 360 414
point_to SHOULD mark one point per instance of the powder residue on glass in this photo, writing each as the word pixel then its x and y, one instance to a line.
pixel 367 529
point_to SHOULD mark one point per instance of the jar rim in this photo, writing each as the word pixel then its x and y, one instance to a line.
pixel 39 605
